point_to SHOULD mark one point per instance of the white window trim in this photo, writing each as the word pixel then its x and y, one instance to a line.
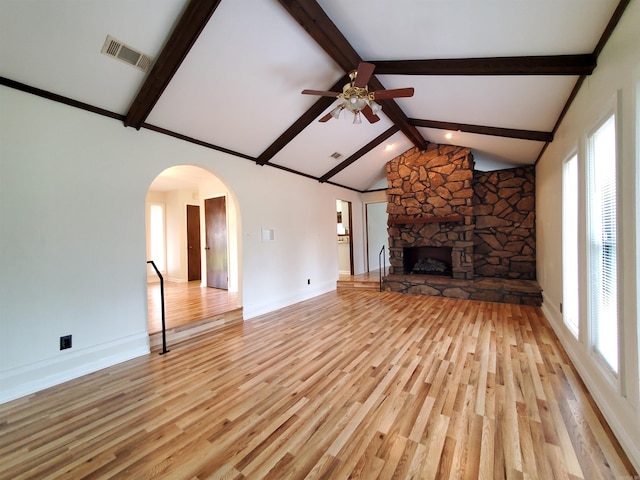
pixel 633 391
pixel 577 334
pixel 611 108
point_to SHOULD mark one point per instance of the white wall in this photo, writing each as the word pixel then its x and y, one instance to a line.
pixel 615 77
pixel 72 238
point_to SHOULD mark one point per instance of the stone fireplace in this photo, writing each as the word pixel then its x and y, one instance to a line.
pixel 459 233
pixel 430 205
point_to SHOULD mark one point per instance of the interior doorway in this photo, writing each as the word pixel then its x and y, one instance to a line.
pixel 183 193
pixel 345 237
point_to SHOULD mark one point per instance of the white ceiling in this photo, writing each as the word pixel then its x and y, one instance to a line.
pixel 239 86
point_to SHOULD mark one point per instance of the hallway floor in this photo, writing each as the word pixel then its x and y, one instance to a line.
pixel 187 302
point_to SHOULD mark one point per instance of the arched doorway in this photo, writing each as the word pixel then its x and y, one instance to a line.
pixel 179 234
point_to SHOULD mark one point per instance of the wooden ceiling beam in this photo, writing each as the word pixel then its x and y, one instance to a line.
pixel 317 24
pixel 484 130
pixel 364 150
pixel 525 65
pixel 303 122
pixel 193 20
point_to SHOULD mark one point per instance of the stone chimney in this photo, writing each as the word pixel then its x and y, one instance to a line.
pixel 430 196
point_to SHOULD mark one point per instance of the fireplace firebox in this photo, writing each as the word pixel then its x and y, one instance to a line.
pixel 427 261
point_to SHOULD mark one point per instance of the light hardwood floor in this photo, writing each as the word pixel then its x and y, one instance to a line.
pixel 349 384
pixel 185 303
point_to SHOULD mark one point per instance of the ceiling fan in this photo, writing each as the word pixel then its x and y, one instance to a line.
pixel 357 98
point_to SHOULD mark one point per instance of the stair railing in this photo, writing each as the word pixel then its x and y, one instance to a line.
pixel 164 328
pixel 382 263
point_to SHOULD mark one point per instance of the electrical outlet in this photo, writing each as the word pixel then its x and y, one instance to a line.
pixel 65 342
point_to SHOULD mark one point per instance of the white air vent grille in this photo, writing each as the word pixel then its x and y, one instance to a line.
pixel 116 49
pixel 336 155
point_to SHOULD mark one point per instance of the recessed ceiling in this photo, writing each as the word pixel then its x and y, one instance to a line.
pixel 238 86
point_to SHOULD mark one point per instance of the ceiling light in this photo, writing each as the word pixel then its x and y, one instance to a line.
pixel 335 113
pixel 448 136
pixel 355 99
pixel 389 147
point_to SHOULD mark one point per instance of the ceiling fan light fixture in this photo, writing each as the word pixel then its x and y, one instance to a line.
pixel 356 97
pixel 335 113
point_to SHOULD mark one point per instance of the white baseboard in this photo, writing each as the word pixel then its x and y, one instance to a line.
pixel 176 280
pixel 618 412
pixel 251 311
pixel 32 378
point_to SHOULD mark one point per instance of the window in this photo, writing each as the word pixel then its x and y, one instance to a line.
pixel 570 277
pixel 603 285
pixel 156 234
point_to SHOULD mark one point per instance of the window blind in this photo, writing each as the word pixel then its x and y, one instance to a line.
pixel 603 243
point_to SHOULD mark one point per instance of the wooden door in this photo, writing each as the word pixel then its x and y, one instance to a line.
pixel 215 213
pixel 194 267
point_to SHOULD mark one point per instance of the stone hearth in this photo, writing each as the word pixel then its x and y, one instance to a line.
pixel 503 290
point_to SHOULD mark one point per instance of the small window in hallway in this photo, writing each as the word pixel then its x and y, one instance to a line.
pixel 157 235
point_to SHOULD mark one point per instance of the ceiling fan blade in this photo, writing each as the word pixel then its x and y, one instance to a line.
pixel 320 92
pixel 364 72
pixel 394 93
pixel 326 118
pixel 369 115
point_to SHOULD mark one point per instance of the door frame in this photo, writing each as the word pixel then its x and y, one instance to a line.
pixel 350 225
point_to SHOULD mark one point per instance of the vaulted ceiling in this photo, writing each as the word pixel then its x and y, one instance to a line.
pixel 494 75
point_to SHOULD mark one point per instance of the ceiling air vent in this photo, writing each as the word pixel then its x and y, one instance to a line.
pixel 336 155
pixel 116 49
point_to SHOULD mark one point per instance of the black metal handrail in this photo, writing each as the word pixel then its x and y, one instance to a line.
pixel 164 328
pixel 384 263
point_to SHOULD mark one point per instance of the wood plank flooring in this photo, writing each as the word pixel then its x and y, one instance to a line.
pixel 185 303
pixel 351 384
